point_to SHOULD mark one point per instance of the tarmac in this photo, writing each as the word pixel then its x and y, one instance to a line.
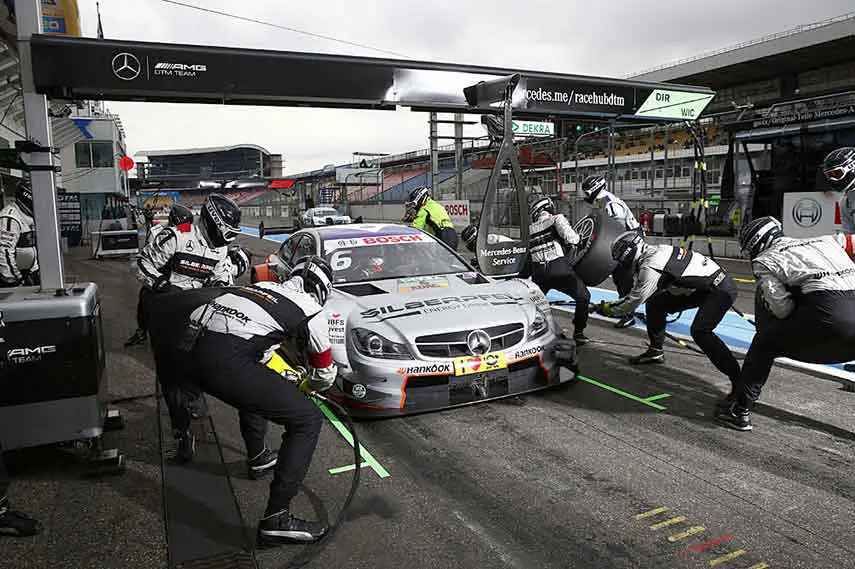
pixel 624 468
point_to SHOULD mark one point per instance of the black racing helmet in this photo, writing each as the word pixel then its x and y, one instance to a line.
pixel 839 169
pixel 626 247
pixel 592 186
pixel 180 214
pixel 220 219
pixel 239 258
pixel 470 236
pixel 24 196
pixel 758 235
pixel 418 197
pixel 539 204
pixel 317 276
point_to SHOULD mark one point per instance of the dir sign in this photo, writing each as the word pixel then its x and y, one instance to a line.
pixel 533 128
pixel 809 214
pixel 458 210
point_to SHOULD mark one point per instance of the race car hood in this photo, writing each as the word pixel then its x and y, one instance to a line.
pixel 410 307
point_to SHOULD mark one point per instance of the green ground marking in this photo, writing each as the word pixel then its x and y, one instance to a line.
pixel 348 468
pixel 624 393
pixel 363 452
pixel 657 397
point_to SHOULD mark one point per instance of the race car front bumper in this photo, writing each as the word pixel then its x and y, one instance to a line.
pixel 422 388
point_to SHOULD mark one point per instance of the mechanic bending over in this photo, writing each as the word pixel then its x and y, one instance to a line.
pixel 595 192
pixel 222 348
pixel 430 216
pixel 552 247
pixel 672 279
pixel 805 309
pixel 19 262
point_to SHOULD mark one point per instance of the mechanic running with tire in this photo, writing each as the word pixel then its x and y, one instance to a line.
pixel 671 279
pixel 594 189
pixel 180 217
pixel 229 336
pixel 19 259
pixel 805 309
pixel 430 216
pixel 552 244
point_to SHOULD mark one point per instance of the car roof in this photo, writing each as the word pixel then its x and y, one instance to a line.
pixel 356 230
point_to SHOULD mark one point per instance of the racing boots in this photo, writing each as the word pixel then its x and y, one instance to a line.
pixel 735 416
pixel 580 339
pixel 139 337
pixel 262 463
pixel 16 524
pixel 283 527
pixel 651 356
pixel 625 322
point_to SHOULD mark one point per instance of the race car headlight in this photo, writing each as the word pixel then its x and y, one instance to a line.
pixel 374 345
pixel 538 327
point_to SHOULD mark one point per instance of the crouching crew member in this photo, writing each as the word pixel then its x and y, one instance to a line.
pixel 19 261
pixel 551 253
pixel 430 216
pixel 594 189
pixel 229 336
pixel 806 309
pixel 671 279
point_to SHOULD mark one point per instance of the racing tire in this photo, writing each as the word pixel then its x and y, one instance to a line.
pixel 594 262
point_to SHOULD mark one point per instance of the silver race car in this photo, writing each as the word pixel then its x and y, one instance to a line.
pixel 415 328
pixel 320 216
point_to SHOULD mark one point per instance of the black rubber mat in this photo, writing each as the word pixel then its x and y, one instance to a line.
pixel 204 526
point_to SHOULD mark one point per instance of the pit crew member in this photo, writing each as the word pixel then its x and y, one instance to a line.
pixel 594 189
pixel 431 217
pixel 839 170
pixel 671 279
pixel 551 252
pixel 219 341
pixel 181 218
pixel 19 262
pixel 805 309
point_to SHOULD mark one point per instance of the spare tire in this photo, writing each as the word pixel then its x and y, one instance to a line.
pixel 594 261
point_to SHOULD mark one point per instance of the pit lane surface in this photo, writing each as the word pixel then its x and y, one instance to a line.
pixel 578 477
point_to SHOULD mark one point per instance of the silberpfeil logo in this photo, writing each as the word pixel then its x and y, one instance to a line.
pixel 807 212
pixel 126 66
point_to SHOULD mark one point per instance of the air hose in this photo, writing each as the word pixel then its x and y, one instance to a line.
pixel 297 376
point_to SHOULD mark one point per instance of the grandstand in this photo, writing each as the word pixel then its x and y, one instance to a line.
pixel 207 167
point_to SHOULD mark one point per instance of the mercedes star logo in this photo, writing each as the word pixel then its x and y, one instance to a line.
pixel 126 66
pixel 478 342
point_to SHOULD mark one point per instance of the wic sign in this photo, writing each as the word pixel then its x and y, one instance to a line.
pixel 458 210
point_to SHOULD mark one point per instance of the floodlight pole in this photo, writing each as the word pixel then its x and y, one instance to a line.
pixel 28 14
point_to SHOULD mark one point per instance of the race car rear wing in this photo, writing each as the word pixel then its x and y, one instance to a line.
pixel 280 230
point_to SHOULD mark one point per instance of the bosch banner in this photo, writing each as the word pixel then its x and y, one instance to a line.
pixel 81 68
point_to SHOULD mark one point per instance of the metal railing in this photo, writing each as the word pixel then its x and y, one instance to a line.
pixel 786 33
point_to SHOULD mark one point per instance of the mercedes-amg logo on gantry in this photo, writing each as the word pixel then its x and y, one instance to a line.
pixel 126 66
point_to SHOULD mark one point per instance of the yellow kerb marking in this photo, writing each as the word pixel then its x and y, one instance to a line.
pixel 726 558
pixel 651 513
pixel 671 522
pixel 684 534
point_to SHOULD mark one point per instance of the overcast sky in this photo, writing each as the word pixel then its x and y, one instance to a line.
pixel 606 38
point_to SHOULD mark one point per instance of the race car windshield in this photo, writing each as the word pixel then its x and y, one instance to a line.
pixel 354 260
pixel 326 211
